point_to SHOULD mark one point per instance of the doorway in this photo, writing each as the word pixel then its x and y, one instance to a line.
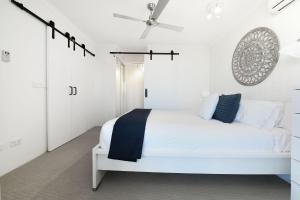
pixel 134 73
pixel 129 86
pixel 120 88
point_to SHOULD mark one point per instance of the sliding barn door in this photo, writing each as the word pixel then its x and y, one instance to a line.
pixel 161 82
pixel 70 94
pixel 79 102
pixel 58 91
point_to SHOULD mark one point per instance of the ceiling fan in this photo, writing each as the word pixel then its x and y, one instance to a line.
pixel 151 22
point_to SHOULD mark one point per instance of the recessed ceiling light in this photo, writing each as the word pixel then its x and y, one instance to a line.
pixel 209 16
pixel 218 9
pixel 215 9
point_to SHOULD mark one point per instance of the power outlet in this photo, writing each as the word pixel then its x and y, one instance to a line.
pixel 5 56
pixel 16 142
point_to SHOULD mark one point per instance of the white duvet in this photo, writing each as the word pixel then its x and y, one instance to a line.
pixel 185 134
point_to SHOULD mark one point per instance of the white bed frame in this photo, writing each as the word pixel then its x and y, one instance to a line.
pixel 244 164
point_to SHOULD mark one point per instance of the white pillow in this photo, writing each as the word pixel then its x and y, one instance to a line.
pixel 208 106
pixel 261 114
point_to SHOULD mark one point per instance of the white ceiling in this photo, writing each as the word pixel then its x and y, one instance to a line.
pixel 95 18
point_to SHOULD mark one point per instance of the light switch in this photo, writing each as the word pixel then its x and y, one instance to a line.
pixel 5 56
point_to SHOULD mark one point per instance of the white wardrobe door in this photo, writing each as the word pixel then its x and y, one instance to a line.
pixel 92 101
pixel 79 102
pixel 58 98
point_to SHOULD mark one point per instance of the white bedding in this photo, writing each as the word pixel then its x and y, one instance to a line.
pixel 185 134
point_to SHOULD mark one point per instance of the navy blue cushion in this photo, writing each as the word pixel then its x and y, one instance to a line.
pixel 227 108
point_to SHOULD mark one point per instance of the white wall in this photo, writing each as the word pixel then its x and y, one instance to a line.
pixel 177 84
pixel 23 80
pixel 284 78
pixel 107 81
pixel 134 79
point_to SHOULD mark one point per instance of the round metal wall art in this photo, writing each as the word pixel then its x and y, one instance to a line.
pixel 255 56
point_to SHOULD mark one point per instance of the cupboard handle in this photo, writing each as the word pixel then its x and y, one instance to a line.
pixel 75 91
pixel 71 92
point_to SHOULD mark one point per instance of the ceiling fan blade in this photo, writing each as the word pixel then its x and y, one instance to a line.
pixel 127 17
pixel 170 27
pixel 146 32
pixel 159 8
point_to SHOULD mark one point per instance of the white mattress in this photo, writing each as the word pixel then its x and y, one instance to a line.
pixel 185 134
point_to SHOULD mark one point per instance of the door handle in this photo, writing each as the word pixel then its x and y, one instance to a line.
pixel 71 91
pixel 146 93
pixel 75 91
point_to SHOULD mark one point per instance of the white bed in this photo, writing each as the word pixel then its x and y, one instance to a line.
pixel 182 142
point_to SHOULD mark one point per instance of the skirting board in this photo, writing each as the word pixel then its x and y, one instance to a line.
pixel 248 165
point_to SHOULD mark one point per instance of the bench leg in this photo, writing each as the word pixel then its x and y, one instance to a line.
pixel 97 174
pixel 97 178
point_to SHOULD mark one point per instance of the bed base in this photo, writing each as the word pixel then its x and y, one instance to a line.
pixel 250 164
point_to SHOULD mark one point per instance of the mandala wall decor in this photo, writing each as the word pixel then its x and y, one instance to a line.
pixel 255 57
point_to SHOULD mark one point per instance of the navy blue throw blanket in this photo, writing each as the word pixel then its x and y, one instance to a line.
pixel 128 136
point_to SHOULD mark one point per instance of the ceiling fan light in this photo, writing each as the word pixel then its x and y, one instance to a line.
pixel 218 9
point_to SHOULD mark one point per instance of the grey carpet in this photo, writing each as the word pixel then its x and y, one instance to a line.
pixel 65 174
